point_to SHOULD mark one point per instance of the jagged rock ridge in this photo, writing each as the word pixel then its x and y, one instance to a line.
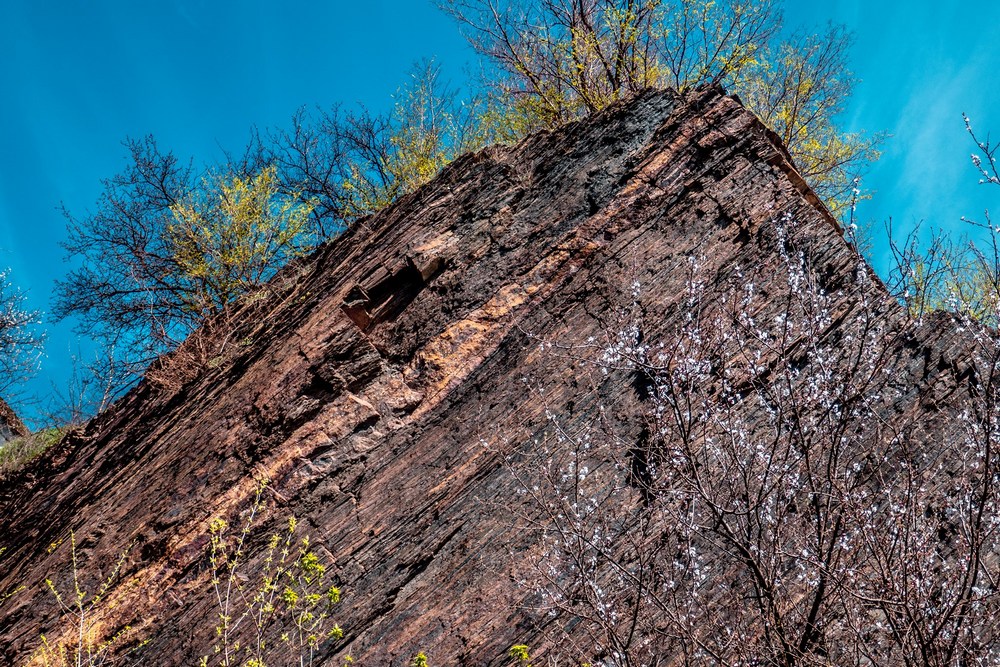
pixel 365 380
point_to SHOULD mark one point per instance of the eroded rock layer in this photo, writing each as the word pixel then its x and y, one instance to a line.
pixel 380 383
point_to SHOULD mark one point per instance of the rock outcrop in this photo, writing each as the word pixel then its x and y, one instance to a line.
pixel 11 425
pixel 381 384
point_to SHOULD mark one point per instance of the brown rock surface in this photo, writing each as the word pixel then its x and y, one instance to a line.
pixel 11 425
pixel 364 381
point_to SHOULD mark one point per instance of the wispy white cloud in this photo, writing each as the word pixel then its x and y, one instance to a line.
pixel 931 140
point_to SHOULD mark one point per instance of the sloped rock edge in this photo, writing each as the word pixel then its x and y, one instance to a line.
pixel 369 375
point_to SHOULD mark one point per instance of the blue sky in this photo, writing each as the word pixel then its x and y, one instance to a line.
pixel 78 76
pixel 921 65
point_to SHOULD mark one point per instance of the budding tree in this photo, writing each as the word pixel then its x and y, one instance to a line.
pixel 20 340
pixel 165 249
pixel 955 275
pixel 556 60
pixel 355 163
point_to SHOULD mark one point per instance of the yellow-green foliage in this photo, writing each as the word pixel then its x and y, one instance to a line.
pixel 4 596
pixel 945 274
pixel 556 61
pixel 272 610
pixel 572 60
pixel 519 653
pixel 798 89
pixel 81 642
pixel 961 281
pixel 230 235
pixel 426 129
pixel 17 452
pixel 278 608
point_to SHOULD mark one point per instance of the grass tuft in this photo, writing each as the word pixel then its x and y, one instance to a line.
pixel 16 453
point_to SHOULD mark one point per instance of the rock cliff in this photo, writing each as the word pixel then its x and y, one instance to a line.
pixel 383 384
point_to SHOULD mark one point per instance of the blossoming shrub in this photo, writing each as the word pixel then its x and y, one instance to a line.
pixel 777 498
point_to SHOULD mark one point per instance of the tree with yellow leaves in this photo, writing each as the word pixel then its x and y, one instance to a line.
pixel 798 88
pixel 229 236
pixel 427 127
pixel 960 276
pixel 164 249
pixel 353 164
pixel 555 60
pixel 562 58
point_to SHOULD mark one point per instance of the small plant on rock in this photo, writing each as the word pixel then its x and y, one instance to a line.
pixel 6 595
pixel 280 608
pixel 519 653
pixel 83 642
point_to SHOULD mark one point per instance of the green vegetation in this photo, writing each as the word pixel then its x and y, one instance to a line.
pixel 281 606
pixel 274 608
pixel 556 60
pixel 6 595
pixel 15 453
pixel 427 127
pixel 165 250
pixel 81 642
pixel 519 653
pixel 228 237
pixel 945 274
pixel 799 88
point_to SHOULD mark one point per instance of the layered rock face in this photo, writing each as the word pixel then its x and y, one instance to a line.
pixel 383 386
